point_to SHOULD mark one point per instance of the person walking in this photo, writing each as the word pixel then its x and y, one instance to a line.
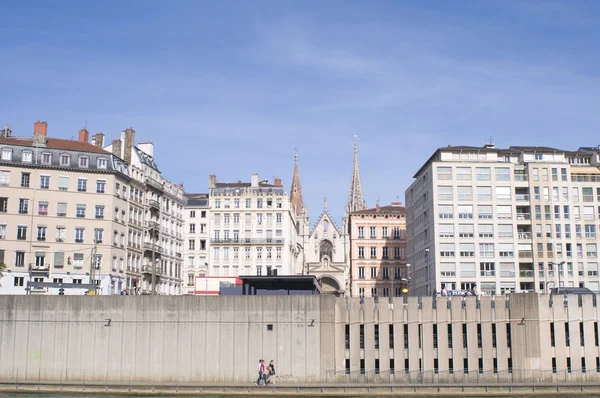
pixel 261 368
pixel 271 368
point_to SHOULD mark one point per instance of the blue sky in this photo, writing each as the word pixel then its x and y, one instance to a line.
pixel 232 87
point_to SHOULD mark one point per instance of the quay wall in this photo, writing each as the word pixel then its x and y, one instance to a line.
pixel 321 339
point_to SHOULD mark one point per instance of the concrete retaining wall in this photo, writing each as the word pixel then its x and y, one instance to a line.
pixel 220 339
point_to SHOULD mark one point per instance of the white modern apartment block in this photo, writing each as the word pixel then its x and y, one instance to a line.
pixel 252 229
pixel 156 257
pixel 57 202
pixel 196 215
pixel 516 219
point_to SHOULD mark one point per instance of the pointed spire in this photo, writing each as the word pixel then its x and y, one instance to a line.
pixel 356 200
pixel 296 191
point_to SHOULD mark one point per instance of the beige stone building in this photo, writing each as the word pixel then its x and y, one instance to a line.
pixel 196 240
pixel 378 251
pixel 62 213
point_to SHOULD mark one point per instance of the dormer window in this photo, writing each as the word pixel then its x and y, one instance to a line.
pixel 7 154
pixel 83 161
pixel 46 158
pixel 26 157
pixel 65 160
pixel 102 163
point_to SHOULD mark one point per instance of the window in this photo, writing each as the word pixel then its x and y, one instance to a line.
pixel 486 230
pixel 25 180
pixel 7 154
pixel 191 244
pixel 98 235
pixel 2 231
pixel 278 218
pixel 465 193
pixel 539 156
pixel 26 157
pixel 446 231
pixel 100 186
pixel 444 173
pixel 505 230
pixel 83 161
pixel 42 208
pixel 503 193
pixel 77 261
pixel 60 234
pixel 385 254
pixel 19 259
pixel 505 213
pixel 445 193
pixel 192 228
pixel 373 252
pixel 463 173
pixel 447 269
pixel 446 211
pixel 484 212
pixel 361 272
pixel 467 249
pixel 65 160
pixel 446 249
pixel 99 212
pixel 361 232
pixel 487 269
pixel 23 206
pixel 506 250
pixel 102 163
pixel 248 203
pixel 46 158
pixel 373 273
pixel 81 185
pixel 483 173
pixel 372 232
pixel 4 178
pixel 465 231
pixel 396 233
pixel 465 212
pixel 79 235
pixel 41 233
pixel 486 250
pixel 467 270
pixel 484 193
pixel 21 232
pixel 361 252
pixel 502 174
pixel 44 182
pixel 19 281
pixel 80 211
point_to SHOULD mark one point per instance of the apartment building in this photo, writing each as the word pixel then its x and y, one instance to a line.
pixel 57 201
pixel 516 219
pixel 252 228
pixel 157 204
pixel 378 251
pixel 196 237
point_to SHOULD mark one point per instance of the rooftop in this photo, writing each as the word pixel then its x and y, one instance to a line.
pixel 394 209
pixel 54 143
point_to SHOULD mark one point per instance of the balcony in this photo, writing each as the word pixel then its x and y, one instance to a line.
pixel 526 273
pixel 152 225
pixel 152 247
pixel 153 204
pixel 525 254
pixel 149 270
pixel 155 184
pixel 524 235
pixel 249 241
pixel 522 197
pixel 523 216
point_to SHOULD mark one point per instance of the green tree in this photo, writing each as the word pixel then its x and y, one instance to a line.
pixel 2 268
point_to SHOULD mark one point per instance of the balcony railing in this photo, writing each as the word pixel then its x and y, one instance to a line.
pixel 525 254
pixel 526 273
pixel 155 184
pixel 520 196
pixel 152 225
pixel 523 216
pixel 148 269
pixel 152 247
pixel 524 235
pixel 153 203
pixel 248 241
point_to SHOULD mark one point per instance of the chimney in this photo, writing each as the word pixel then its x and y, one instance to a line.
pixel 40 133
pixel 6 132
pixel 98 140
pixel 277 182
pixel 254 181
pixel 116 147
pixel 147 148
pixel 128 142
pixel 212 181
pixel 377 207
pixel 84 135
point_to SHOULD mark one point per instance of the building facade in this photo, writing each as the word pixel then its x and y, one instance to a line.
pixel 57 202
pixel 196 240
pixel 156 265
pixel 378 251
pixel 252 229
pixel 516 219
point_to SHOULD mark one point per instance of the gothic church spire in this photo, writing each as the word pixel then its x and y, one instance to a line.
pixel 296 192
pixel 356 200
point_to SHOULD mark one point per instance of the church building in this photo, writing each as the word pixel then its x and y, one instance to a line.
pixel 326 246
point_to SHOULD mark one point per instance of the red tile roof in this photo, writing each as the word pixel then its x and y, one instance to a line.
pixel 56 143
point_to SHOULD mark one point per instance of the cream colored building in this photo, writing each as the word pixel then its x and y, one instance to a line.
pixel 196 240
pixel 515 219
pixel 252 229
pixel 378 251
pixel 62 213
pixel 156 257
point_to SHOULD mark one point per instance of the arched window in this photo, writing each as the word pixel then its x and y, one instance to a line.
pixel 325 225
pixel 325 250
